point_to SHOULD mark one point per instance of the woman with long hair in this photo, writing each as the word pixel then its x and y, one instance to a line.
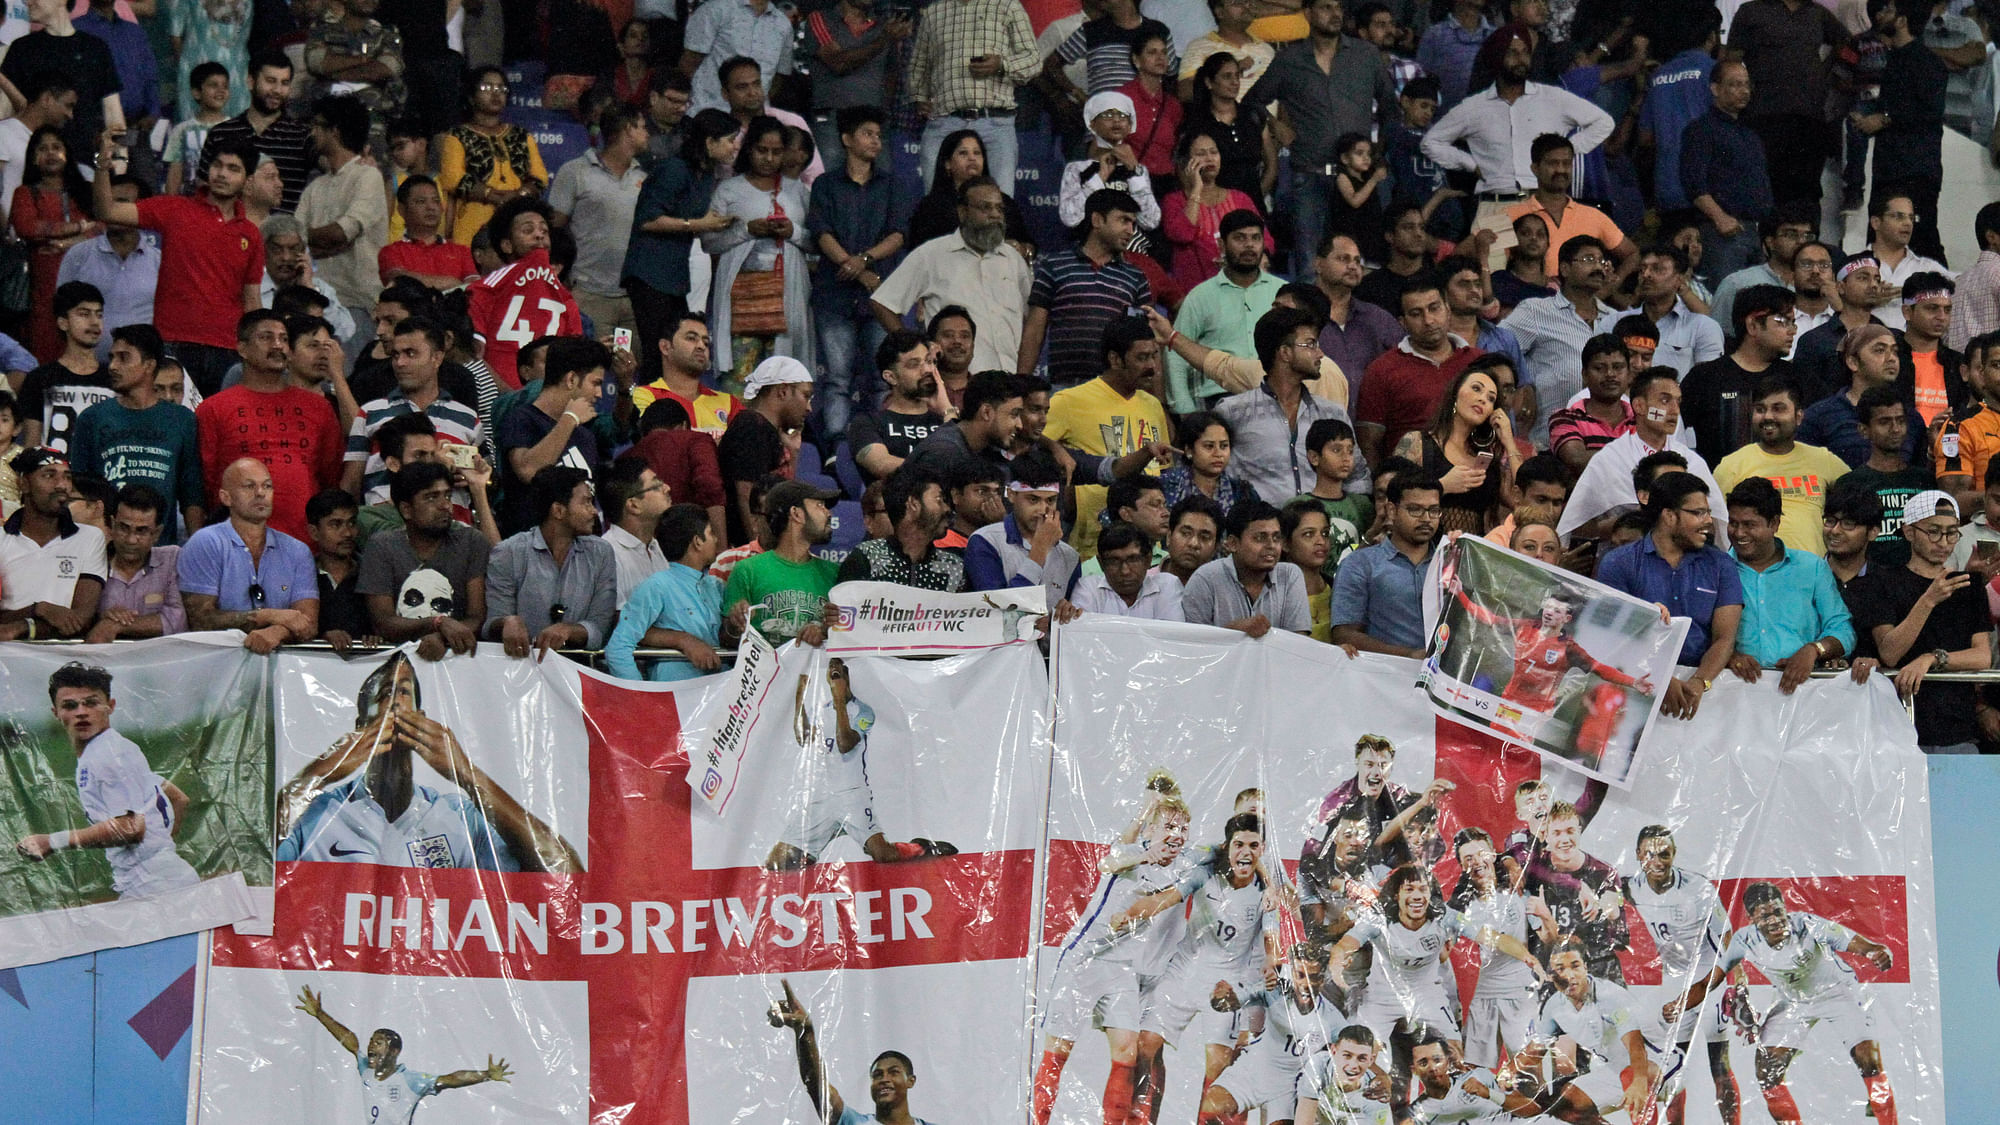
pixel 632 78
pixel 51 213
pixel 673 208
pixel 1191 215
pixel 1469 446
pixel 760 296
pixel 1205 441
pixel 1242 133
pixel 961 157
pixel 486 162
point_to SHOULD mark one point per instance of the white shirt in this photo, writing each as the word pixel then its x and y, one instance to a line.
pixel 992 287
pixel 1688 338
pixel 637 560
pixel 1499 134
pixel 113 778
pixel 1806 322
pixel 1598 1027
pixel 31 573
pixel 344 824
pixel 14 152
pixel 1803 966
pixel 392 1100
pixel 1891 314
pixel 1606 482
pixel 1159 599
pixel 1686 921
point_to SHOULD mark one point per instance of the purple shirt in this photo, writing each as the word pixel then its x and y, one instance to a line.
pixel 155 589
pixel 1369 332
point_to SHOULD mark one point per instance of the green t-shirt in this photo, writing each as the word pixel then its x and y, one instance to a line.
pixel 792 594
pixel 1348 519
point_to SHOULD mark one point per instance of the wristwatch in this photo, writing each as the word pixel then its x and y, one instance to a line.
pixel 1940 660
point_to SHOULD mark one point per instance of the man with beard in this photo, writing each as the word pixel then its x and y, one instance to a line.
pixel 890 1076
pixel 1222 311
pixel 1812 280
pixel 263 125
pixel 359 802
pixel 881 441
pixel 783 589
pixel 1717 397
pixel 1552 331
pixel 1801 472
pixel 426 581
pixel 1793 225
pixel 974 269
pixel 915 500
pixel 1405 385
pixel 1554 161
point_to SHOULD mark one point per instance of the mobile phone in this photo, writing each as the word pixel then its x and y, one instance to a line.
pixel 1485 460
pixel 457 455
pixel 1986 549
pixel 621 338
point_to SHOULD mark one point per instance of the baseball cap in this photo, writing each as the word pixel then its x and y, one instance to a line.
pixel 28 460
pixel 1924 505
pixel 782 498
pixel 775 372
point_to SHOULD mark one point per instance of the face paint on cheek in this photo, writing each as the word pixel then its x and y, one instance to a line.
pixel 1655 414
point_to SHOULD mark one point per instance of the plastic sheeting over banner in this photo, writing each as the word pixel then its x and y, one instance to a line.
pixel 502 864
pixel 1792 812
pixel 187 773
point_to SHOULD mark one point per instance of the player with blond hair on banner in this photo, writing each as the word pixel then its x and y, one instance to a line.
pixel 1102 974
pixel 1502 1012
pixel 1582 893
pixel 1595 1033
pixel 839 801
pixel 1685 918
pixel 1449 1091
pixel 134 813
pixel 390 1091
pixel 1333 1083
pixel 383 816
pixel 1407 992
pixel 890 1076
pixel 1797 953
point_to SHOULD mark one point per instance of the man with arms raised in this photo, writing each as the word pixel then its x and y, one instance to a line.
pixel 890 1077
pixel 390 1089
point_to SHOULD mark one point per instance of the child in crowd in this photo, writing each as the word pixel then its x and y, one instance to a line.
pixel 1350 519
pixel 210 84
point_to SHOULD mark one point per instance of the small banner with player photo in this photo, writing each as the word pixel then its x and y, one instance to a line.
pixel 1273 872
pixel 135 808
pixel 499 896
pixel 887 619
pixel 1543 658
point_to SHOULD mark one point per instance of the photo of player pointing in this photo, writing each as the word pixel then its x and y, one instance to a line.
pixel 134 812
pixel 359 801
pixel 890 1076
pixel 390 1091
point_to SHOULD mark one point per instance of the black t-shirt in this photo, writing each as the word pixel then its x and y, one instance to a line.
pixel 524 427
pixel 1716 400
pixel 342 607
pixel 897 432
pixel 1889 548
pixel 54 395
pixel 1885 596
pixel 1382 287
pixel 83 59
pixel 750 448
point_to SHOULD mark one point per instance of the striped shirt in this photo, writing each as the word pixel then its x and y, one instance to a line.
pixel 1575 423
pixel 456 423
pixel 1106 50
pixel 1082 299
pixel 285 141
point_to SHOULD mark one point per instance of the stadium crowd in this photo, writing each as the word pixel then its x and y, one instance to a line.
pixel 1333 285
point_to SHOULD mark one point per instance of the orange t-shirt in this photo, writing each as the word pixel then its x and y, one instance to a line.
pixel 1931 397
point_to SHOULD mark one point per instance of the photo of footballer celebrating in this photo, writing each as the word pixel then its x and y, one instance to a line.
pixel 359 802
pixel 1544 658
pixel 390 1091
pixel 890 1077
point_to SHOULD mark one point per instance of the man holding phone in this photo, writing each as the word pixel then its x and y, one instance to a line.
pixel 966 59
pixel 416 356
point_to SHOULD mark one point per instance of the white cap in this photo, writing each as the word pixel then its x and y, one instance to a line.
pixel 1924 505
pixel 1104 100
pixel 774 372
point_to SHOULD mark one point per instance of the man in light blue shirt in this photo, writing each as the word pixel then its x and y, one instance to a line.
pixel 678 608
pixel 1222 311
pixel 1378 600
pixel 240 573
pixel 1793 614
pixel 124 264
pixel 1552 330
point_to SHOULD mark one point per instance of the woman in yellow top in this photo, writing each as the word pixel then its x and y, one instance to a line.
pixel 1308 540
pixel 485 161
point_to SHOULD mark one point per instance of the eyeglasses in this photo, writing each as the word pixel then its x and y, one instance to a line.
pixel 1944 535
pixel 257 594
pixel 1588 260
pixel 1813 267
pixel 1848 526
pixel 486 86
pixel 1112 113
pixel 1432 512
pixel 1308 345
pixel 1694 513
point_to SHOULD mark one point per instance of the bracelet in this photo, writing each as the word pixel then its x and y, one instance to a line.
pixel 59 841
pixel 1172 336
pixel 572 417
pixel 1705 684
pixel 1820 648
pixel 33 628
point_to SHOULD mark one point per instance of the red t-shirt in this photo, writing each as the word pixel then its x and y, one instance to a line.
pixel 1400 391
pixel 294 432
pixel 207 259
pixel 515 305
pixel 443 258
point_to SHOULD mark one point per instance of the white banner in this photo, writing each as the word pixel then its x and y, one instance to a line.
pixel 885 619
pixel 1165 733
pixel 717 768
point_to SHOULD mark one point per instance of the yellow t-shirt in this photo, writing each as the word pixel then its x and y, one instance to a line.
pixel 1801 477
pixel 1097 419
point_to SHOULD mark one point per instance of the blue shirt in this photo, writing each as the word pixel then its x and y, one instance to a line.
pixel 216 562
pixel 1721 157
pixel 132 54
pixel 1382 591
pixel 1789 605
pixel 1704 581
pixel 1835 424
pixel 679 597
pixel 857 216
pixel 127 283
pixel 1447 51
pixel 1678 96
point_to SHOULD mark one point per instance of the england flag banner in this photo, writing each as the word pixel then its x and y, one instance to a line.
pixel 1272 872
pixel 499 899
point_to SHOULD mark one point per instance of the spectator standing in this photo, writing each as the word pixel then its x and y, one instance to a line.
pixel 743 89
pixel 243 573
pixel 350 54
pixel 552 429
pixel 883 440
pixel 1816 355
pixel 57 46
pixel 137 439
pixel 1221 311
pixel 1793 614
pixel 1250 588
pixel 486 162
pixel 344 213
pixel 1931 375
pixel 1577 432
pixel 961 157
pixel 1241 132
pixel 216 32
pixel 783 590
pixel 1789 229
pixel 1801 472
pixel 634 500
pixel 211 249
pixel 142 596
pixel 974 269
pixel 1156 107
pixel 263 124
pixel 124 267
pixel 1449 46
pixel 1552 331
pixel 1106 45
pixel 856 221
pixel 1112 415
pixel 426 580
pixel 679 607
pixel 1685 337
pixel 1722 174
pixel 755 29
pixel 51 567
pixel 595 198
pixel 1554 160
pixel 1678 93
pixel 851 48
pixel 138 69
pixel 1908 125
pixel 673 208
pixel 1883 420
pixel 417 358
pixel 1331 84
pixel 1975 309
pixel 1080 293
pixel 1788 46
pixel 291 430
pixel 1109 162
pixel 1355 331
pixel 52 104
pixel 762 288
pixel 778 397
pixel 966 60
pixel 916 504
pixel 1230 36
pixel 1272 423
pixel 1378 603
pixel 1674 565
pixel 554 585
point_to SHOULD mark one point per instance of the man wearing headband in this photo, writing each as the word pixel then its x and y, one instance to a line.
pixel 1858 281
pixel 51 567
pixel 1935 387
pixel 1025 548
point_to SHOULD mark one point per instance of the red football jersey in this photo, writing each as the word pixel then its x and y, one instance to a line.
pixel 517 304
